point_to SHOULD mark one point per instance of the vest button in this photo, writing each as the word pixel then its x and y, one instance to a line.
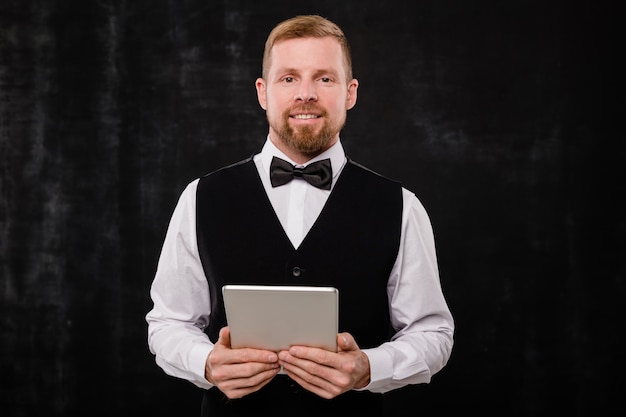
pixel 296 271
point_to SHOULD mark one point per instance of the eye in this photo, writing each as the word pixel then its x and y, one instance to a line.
pixel 288 80
pixel 326 79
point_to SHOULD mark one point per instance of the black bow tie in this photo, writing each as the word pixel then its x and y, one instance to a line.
pixel 318 174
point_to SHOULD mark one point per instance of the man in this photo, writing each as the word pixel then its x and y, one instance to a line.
pixel 348 228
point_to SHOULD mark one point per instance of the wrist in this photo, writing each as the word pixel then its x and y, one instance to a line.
pixel 365 378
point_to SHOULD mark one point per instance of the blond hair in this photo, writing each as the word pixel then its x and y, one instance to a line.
pixel 307 26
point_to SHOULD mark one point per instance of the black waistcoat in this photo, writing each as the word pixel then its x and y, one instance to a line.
pixel 352 246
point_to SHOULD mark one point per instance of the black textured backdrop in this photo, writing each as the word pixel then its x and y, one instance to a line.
pixel 501 115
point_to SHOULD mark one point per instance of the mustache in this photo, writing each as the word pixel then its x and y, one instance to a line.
pixel 307 108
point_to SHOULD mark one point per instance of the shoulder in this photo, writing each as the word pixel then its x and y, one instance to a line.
pixel 361 170
pixel 228 172
pixel 229 168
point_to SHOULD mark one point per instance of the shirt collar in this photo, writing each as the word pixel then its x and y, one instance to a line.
pixel 335 153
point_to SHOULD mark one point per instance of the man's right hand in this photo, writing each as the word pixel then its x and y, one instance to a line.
pixel 239 372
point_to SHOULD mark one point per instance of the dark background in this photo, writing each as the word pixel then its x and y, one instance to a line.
pixel 502 116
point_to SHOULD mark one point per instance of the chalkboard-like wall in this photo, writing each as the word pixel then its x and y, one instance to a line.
pixel 502 116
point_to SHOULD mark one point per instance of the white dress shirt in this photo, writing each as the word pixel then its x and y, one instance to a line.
pixel 419 313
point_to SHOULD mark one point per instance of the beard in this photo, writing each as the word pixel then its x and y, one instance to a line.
pixel 306 139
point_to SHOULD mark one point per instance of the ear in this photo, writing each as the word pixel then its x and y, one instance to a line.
pixel 261 92
pixel 353 86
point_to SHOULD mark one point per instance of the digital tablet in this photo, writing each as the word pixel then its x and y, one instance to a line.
pixel 277 317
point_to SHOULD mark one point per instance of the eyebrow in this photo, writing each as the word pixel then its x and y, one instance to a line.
pixel 317 73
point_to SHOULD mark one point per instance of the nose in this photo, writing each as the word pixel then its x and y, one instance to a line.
pixel 306 91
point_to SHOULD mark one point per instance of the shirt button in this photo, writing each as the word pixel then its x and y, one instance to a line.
pixel 296 271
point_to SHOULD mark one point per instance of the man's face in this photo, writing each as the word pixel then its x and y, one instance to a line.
pixel 306 95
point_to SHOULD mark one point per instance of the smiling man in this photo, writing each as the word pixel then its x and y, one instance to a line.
pixel 301 212
pixel 306 91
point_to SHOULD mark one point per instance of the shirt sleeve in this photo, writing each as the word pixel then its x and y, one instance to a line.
pixel 419 313
pixel 180 295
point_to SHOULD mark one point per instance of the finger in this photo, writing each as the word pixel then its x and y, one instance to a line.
pixel 308 358
pixel 315 366
pixel 242 355
pixel 237 388
pixel 228 366
pixel 345 342
pixel 244 361
pixel 312 383
pixel 224 336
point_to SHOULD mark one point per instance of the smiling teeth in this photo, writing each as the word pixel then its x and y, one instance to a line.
pixel 305 116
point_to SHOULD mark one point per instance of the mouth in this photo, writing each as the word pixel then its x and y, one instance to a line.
pixel 305 116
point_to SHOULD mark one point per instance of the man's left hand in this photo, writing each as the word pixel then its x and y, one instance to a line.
pixel 327 374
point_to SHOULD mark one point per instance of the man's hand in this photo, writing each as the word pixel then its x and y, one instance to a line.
pixel 239 372
pixel 327 374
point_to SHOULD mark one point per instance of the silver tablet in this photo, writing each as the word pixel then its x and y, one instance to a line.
pixel 276 317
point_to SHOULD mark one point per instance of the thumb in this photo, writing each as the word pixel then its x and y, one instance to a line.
pixel 346 342
pixel 224 337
